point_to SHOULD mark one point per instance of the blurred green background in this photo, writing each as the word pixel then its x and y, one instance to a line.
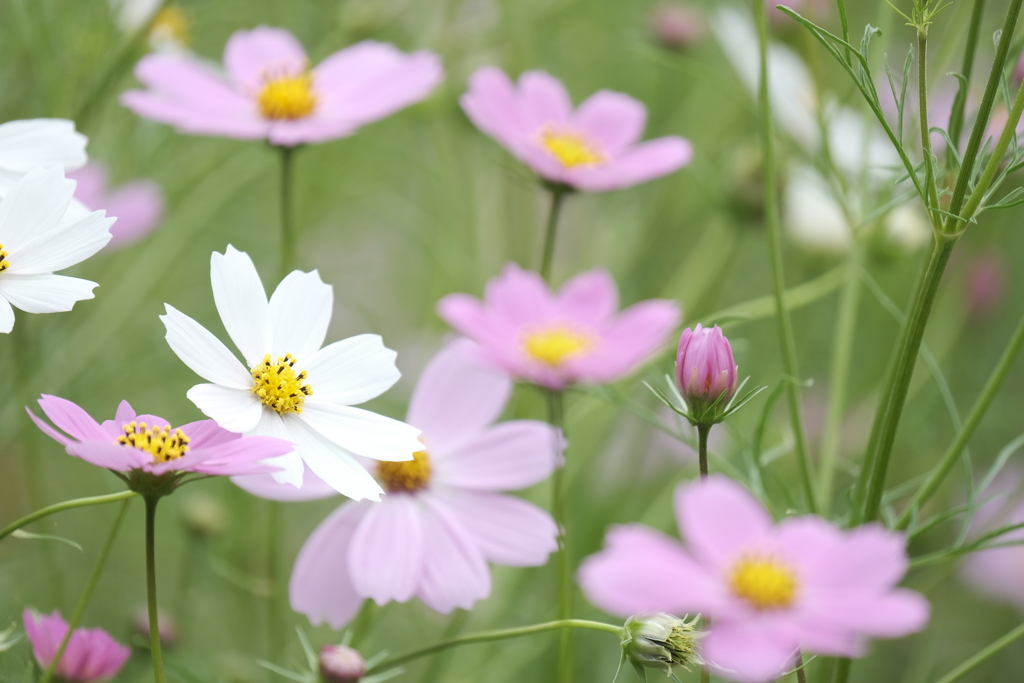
pixel 420 205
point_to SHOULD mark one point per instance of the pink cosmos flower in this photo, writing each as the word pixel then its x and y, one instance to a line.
pixel 444 516
pixel 594 148
pixel 269 91
pixel 91 654
pixel 554 340
pixel 148 443
pixel 996 572
pixel 768 589
pixel 138 205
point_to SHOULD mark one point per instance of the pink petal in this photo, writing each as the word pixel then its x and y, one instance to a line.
pixel 493 105
pixel 251 56
pixel 637 333
pixel 265 486
pixel 745 652
pixel 125 413
pixel 186 117
pixel 70 418
pixel 320 586
pixel 718 519
pixel 544 100
pixel 590 298
pixel 519 296
pixel 509 456
pixel 643 162
pixel 109 455
pixel 387 551
pixel 45 632
pixel 465 314
pixel 138 207
pixel 308 131
pixel 507 530
pixel 62 439
pixel 454 571
pixel 614 119
pixel 183 89
pixel 895 614
pixel 205 433
pixel 457 395
pixel 90 184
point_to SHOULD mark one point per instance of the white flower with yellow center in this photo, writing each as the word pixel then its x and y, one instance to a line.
pixel 40 234
pixel 289 387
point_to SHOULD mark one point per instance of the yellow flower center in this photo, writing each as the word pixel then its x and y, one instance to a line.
pixel 288 97
pixel 555 345
pixel 278 386
pixel 170 25
pixel 157 441
pixel 410 475
pixel 4 263
pixel 764 582
pixel 571 149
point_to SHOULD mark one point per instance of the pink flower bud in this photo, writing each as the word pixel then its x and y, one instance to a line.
pixel 340 664
pixel 986 284
pixel 677 26
pixel 706 372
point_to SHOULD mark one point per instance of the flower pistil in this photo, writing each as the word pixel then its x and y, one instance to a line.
pixel 287 97
pixel 278 386
pixel 407 475
pixel 157 441
pixel 555 345
pixel 764 582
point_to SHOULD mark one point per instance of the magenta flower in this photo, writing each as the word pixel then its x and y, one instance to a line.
pixel 552 340
pixel 705 371
pixel 444 516
pixel 269 91
pixel 768 589
pixel 148 443
pixel 594 148
pixel 91 654
pixel 138 205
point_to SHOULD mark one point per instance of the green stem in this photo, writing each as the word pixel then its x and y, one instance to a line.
pixel 982 656
pixel 556 416
pixel 839 374
pixel 842 671
pixel 273 531
pixel 844 21
pixel 557 197
pixel 801 673
pixel 363 622
pixel 981 405
pixel 956 118
pixel 83 601
pixel 287 216
pixel 60 507
pixel 702 448
pixel 783 322
pixel 926 142
pixel 436 666
pixel 154 624
pixel 500 634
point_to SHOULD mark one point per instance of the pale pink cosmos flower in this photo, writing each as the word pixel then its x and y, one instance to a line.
pixel 768 589
pixel 996 572
pixel 268 90
pixel 554 340
pixel 137 205
pixel 445 515
pixel 594 148
pixel 91 654
pixel 148 443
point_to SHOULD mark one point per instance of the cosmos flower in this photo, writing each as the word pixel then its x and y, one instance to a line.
pixel 289 387
pixel 594 148
pixel 445 515
pixel 554 340
pixel 91 654
pixel 768 589
pixel 138 205
pixel 995 572
pixel 38 143
pixel 268 90
pixel 40 233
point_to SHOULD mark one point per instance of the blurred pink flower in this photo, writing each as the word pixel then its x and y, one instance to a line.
pixel 705 370
pixel 91 654
pixel 767 589
pixel 552 340
pixel 997 572
pixel 677 26
pixel 270 92
pixel 444 516
pixel 594 148
pixel 149 443
pixel 138 205
pixel 986 284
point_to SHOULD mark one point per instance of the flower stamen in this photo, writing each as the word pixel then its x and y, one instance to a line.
pixel 278 386
pixel 287 97
pixel 571 149
pixel 4 263
pixel 408 475
pixel 555 345
pixel 157 441
pixel 764 582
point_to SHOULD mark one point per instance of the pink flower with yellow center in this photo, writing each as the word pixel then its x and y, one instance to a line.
pixel 91 654
pixel 769 590
pixel 269 91
pixel 594 148
pixel 554 340
pixel 445 515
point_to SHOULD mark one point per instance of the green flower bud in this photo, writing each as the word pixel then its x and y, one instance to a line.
pixel 661 641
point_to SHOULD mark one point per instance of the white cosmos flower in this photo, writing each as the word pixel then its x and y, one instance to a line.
pixel 39 236
pixel 289 387
pixel 811 214
pixel 34 143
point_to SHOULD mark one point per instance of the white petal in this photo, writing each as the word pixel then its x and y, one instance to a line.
pixel 32 143
pixel 333 464
pixel 33 207
pixel 45 293
pixel 203 352
pixel 241 302
pixel 6 316
pixel 68 243
pixel 291 469
pixel 235 410
pixel 271 424
pixel 300 310
pixel 360 431
pixel 352 370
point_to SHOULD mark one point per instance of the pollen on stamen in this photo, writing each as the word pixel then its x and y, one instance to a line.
pixel 278 386
pixel 287 96
pixel 555 345
pixel 408 475
pixel 570 148
pixel 4 263
pixel 159 442
pixel 763 582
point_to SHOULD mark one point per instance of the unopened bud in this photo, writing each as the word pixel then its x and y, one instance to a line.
pixel 706 373
pixel 166 626
pixel 661 641
pixel 677 26
pixel 340 664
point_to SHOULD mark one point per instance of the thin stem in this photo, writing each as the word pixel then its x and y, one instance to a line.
pixel 287 216
pixel 702 448
pixel 273 531
pixel 83 601
pixel 801 674
pixel 956 118
pixel 785 327
pixel 842 671
pixel 436 666
pixel 839 375
pixel 556 416
pixel 487 636
pixel 557 197
pixel 363 622
pixel 982 656
pixel 845 23
pixel 981 405
pixel 60 507
pixel 154 624
pixel 926 143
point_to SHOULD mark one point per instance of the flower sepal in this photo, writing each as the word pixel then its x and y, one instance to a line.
pixel 703 415
pixel 150 485
pixel 660 641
